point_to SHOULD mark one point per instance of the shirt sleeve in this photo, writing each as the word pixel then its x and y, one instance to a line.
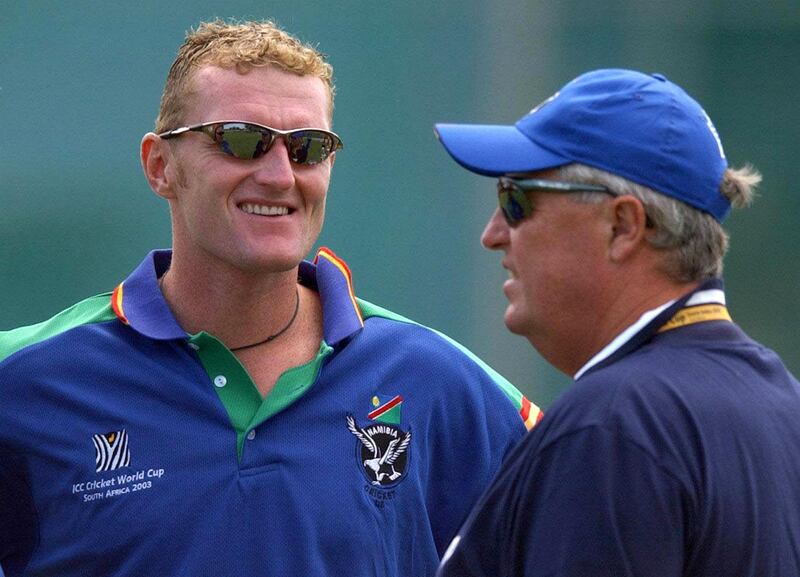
pixel 591 503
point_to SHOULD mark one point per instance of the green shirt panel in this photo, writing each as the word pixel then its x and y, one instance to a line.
pixel 239 394
pixel 96 309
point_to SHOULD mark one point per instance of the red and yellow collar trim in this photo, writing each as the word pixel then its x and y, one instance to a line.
pixel 116 303
pixel 329 256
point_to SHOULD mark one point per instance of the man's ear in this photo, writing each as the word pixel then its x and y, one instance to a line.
pixel 629 227
pixel 156 158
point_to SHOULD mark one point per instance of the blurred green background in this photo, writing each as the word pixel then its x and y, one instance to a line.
pixel 80 83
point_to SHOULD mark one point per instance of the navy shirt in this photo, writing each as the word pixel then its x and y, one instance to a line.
pixel 678 455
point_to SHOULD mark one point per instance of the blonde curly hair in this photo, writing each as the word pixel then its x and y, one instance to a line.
pixel 239 45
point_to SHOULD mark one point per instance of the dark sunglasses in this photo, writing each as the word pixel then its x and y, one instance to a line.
pixel 247 140
pixel 517 206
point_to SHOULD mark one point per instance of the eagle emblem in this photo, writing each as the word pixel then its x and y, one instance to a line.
pixel 382 450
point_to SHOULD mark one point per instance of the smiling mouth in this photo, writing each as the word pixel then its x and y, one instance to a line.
pixel 264 209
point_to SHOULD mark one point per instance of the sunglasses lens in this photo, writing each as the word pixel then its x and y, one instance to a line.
pixel 515 205
pixel 310 146
pixel 241 140
pixel 248 141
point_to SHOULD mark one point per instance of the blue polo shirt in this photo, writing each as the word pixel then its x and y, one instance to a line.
pixel 130 448
pixel 677 454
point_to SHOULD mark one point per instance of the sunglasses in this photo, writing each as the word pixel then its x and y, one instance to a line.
pixel 517 206
pixel 248 141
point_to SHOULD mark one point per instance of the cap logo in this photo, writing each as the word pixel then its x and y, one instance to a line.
pixel 543 103
pixel 714 133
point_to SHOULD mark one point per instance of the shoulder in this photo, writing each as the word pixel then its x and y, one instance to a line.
pixel 648 399
pixel 96 309
pixel 412 341
pixel 432 356
pixel 651 374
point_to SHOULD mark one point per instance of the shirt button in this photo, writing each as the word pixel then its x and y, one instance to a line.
pixel 195 346
pixel 251 435
pixel 220 381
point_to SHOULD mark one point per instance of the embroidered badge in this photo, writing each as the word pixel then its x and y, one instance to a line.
pixel 382 451
pixel 386 409
pixel 111 451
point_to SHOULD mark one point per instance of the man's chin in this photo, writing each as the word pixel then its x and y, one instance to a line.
pixel 512 320
pixel 273 263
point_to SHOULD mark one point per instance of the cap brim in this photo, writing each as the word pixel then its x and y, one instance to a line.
pixel 494 150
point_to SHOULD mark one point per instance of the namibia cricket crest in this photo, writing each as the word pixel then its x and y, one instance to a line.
pixel 382 451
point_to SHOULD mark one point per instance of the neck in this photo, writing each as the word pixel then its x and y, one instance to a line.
pixel 610 316
pixel 271 337
pixel 237 307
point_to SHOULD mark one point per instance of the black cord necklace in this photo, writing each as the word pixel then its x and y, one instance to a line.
pixel 280 332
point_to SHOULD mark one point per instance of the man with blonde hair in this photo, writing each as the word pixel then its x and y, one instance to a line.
pixel 677 450
pixel 230 408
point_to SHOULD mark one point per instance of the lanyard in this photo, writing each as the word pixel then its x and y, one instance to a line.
pixel 696 314
pixel 706 304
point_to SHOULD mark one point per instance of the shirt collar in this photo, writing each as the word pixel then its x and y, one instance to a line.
pixel 138 301
pixel 341 315
pixel 648 324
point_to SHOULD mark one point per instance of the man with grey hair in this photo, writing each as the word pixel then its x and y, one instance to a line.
pixel 677 450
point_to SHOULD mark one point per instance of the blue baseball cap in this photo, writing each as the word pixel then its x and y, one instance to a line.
pixel 639 126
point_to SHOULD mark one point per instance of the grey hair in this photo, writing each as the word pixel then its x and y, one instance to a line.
pixel 693 241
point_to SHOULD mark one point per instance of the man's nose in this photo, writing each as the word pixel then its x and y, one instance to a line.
pixel 275 168
pixel 495 234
